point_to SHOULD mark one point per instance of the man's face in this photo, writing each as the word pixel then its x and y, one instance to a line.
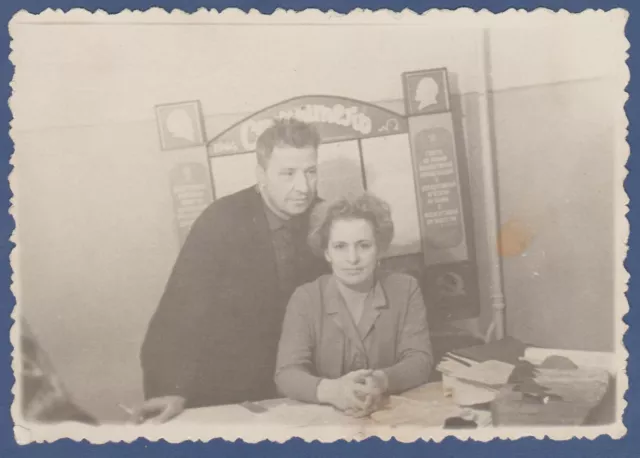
pixel 290 179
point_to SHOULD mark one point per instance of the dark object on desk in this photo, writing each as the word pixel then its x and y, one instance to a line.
pixel 522 372
pixel 552 397
pixel 523 380
pixel 459 423
pixel 254 407
pixel 535 392
pixel 507 350
pixel 558 362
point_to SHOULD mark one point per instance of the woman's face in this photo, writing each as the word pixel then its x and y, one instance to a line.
pixel 352 251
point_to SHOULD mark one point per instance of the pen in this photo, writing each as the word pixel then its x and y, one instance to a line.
pixel 459 359
pixel 127 410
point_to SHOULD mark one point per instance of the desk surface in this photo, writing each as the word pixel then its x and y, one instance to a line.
pixel 419 413
pixel 425 406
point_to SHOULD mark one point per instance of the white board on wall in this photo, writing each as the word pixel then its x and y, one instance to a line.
pixel 389 174
pixel 233 173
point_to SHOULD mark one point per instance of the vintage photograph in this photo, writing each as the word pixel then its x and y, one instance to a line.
pixel 244 226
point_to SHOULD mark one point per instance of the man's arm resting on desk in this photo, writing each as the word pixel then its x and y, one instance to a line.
pixel 171 349
pixel 159 410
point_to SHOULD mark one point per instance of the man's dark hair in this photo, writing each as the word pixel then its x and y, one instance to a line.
pixel 285 132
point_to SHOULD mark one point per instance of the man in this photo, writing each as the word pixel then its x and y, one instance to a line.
pixel 213 339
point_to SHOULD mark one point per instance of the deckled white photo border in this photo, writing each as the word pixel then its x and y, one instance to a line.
pixel 26 432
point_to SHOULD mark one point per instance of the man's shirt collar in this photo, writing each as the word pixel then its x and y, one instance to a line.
pixel 274 221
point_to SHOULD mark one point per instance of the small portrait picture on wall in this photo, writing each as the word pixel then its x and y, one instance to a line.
pixel 180 125
pixel 426 91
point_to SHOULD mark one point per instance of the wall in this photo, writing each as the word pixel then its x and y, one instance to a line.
pixel 96 242
pixel 555 165
pixel 558 126
pixel 104 74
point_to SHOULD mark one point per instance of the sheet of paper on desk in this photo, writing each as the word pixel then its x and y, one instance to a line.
pixel 467 394
pixel 491 373
pixel 300 415
pixel 404 411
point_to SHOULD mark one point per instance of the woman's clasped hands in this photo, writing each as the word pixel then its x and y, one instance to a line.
pixel 358 393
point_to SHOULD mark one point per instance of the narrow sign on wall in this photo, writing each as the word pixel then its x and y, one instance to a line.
pixel 451 279
pixel 190 188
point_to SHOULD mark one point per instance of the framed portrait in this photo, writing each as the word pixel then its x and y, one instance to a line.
pixel 180 125
pixel 426 91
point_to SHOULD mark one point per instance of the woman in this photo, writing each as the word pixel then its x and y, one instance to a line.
pixel 352 337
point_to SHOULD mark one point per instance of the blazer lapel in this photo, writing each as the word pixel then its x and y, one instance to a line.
pixel 337 310
pixel 372 313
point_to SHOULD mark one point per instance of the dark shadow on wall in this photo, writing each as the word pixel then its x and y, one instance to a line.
pixel 338 176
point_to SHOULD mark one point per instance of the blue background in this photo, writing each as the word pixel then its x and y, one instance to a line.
pixel 602 447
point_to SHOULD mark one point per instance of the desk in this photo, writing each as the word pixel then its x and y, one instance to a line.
pixel 308 422
pixel 422 408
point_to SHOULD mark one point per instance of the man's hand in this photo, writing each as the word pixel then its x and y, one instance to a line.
pixel 158 410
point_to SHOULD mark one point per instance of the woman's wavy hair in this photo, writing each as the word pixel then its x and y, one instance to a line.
pixel 362 206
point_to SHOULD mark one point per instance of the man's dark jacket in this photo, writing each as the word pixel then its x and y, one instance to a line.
pixel 214 336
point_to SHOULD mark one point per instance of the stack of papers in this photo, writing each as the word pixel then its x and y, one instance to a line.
pixel 470 382
pixel 490 373
pixel 583 359
pixel 576 385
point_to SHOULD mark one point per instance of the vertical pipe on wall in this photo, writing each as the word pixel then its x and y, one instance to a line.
pixel 487 122
pixel 363 171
